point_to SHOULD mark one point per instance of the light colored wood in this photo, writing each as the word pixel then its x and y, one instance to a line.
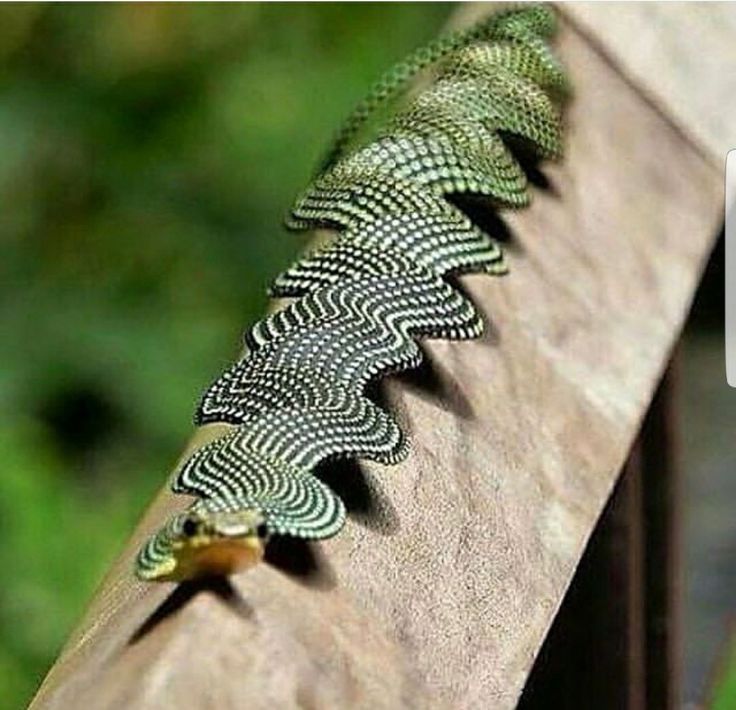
pixel 443 600
pixel 683 54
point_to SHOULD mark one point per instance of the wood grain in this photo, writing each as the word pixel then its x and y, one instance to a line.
pixel 681 54
pixel 442 587
pixel 615 643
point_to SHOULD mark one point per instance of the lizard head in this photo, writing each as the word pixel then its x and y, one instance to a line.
pixel 202 543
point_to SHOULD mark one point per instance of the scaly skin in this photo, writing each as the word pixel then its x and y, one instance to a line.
pixel 297 396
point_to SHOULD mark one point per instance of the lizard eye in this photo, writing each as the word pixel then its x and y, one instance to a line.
pixel 189 527
pixel 262 531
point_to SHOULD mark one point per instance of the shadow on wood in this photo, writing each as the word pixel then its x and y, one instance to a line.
pixel 184 593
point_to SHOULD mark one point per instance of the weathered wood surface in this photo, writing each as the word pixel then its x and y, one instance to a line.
pixel 683 54
pixel 615 642
pixel 440 592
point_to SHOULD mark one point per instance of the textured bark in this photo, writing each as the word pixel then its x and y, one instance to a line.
pixel 441 588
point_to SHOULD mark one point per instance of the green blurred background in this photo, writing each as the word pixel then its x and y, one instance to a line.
pixel 149 153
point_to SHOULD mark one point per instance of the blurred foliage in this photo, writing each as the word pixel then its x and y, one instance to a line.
pixel 149 154
pixel 725 689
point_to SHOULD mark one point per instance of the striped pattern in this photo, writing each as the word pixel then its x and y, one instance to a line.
pixel 297 397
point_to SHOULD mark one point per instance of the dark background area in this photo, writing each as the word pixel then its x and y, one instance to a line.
pixel 149 153
pixel 708 425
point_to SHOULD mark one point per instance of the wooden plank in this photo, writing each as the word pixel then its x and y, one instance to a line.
pixel 443 585
pixel 615 642
pixel 594 652
pixel 681 54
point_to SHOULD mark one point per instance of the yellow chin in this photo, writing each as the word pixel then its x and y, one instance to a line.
pixel 208 557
